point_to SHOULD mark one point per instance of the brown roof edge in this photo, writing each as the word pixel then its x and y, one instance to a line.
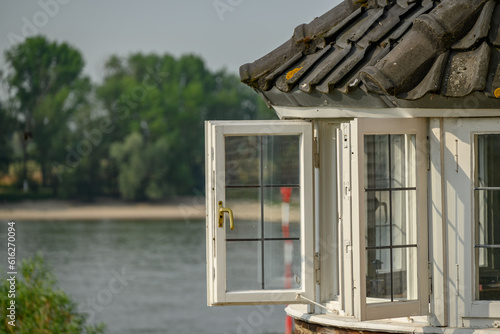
pixel 431 35
pixel 251 72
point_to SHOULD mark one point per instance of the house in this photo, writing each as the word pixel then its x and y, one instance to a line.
pixel 373 204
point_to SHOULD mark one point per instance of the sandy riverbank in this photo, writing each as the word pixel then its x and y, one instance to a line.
pixel 180 209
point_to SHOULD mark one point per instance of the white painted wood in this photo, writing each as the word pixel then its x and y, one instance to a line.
pixel 216 249
pixel 209 195
pixel 328 212
pixel 346 256
pixel 329 112
pixel 437 224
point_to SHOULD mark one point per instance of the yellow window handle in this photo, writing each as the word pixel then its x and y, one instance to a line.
pixel 221 216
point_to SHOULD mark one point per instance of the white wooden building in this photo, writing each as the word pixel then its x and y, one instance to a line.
pixel 373 204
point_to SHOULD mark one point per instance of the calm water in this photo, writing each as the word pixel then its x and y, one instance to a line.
pixel 162 270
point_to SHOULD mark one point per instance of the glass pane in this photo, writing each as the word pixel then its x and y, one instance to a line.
pixel 403 166
pixel 378 231
pixel 376 161
pixel 242 160
pixel 244 266
pixel 281 165
pixel 281 209
pixel 488 217
pixel 245 203
pixel 488 160
pixel 378 274
pixel 401 283
pixel 405 276
pixel 282 264
pixel 404 217
pixel 489 274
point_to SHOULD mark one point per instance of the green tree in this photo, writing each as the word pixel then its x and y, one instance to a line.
pixel 160 103
pixel 45 87
pixel 6 130
pixel 40 307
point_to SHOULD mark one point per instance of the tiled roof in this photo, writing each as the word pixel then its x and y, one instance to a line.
pixel 387 53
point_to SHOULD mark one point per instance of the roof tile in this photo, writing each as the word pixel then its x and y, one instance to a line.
pixel 466 72
pixel 322 69
pixel 390 49
pixel 480 29
pixel 495 28
pixel 493 82
pixel 357 30
pixel 432 81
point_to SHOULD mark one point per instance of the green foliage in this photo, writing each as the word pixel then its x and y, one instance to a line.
pixel 6 129
pixel 45 90
pixel 153 108
pixel 40 306
pixel 159 104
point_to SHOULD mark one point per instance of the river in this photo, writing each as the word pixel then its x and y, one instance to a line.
pixel 143 277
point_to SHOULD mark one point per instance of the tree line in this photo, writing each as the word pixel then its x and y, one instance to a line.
pixel 138 135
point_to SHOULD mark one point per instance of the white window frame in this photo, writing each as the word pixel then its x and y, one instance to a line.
pixel 460 208
pixel 372 311
pixel 215 132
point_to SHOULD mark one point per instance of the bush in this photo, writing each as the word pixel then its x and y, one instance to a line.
pixel 40 306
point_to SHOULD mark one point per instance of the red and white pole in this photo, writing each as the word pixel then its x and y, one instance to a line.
pixel 286 193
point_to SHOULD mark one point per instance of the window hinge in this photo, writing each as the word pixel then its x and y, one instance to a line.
pixel 429 268
pixel 428 161
pixel 316 152
pixel 317 268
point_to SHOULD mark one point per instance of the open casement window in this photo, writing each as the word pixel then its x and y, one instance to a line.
pixel 389 218
pixel 473 192
pixel 260 173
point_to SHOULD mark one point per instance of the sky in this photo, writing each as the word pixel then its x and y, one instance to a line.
pixel 225 33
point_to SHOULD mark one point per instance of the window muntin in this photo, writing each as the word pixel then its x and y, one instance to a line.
pixel 258 170
pixel 390 217
pixel 487 213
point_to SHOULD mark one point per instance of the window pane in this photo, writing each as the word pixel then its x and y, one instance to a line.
pixel 403 172
pixel 262 188
pixel 488 234
pixel 282 209
pixel 489 273
pixel 488 160
pixel 391 284
pixel 378 273
pixel 281 165
pixel 242 160
pixel 376 161
pixel 391 217
pixel 245 203
pixel 404 217
pixel 282 264
pixel 378 229
pixel 487 211
pixel 244 265
pixel 405 276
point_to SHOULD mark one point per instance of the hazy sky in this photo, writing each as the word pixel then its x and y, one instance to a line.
pixel 226 33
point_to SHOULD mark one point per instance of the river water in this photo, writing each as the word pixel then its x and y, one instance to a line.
pixel 143 277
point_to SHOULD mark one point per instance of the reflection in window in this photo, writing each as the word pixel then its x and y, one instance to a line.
pixel 487 211
pixel 263 188
pixel 391 225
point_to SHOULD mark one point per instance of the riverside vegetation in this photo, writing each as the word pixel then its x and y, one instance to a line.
pixel 138 135
pixel 40 307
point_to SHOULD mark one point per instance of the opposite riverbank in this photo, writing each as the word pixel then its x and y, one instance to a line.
pixel 178 209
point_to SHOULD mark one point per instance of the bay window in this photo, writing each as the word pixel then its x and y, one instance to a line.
pixel 261 225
